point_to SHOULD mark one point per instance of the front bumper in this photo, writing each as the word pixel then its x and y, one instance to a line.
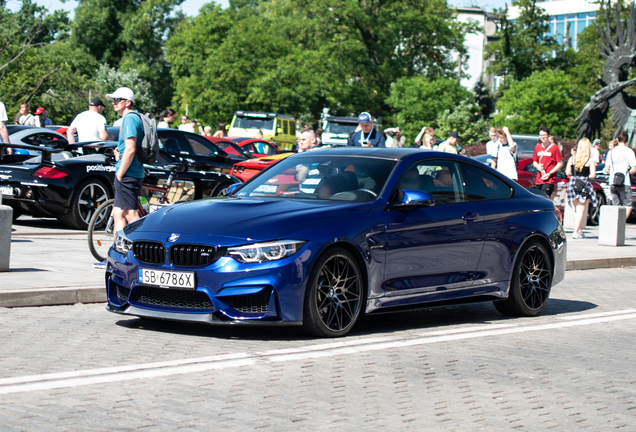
pixel 226 292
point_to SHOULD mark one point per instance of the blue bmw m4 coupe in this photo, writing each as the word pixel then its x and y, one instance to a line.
pixel 324 236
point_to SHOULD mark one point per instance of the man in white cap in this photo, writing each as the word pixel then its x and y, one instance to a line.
pixel 90 125
pixel 367 136
pixel 130 171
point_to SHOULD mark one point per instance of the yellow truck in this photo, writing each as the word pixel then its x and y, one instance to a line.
pixel 278 129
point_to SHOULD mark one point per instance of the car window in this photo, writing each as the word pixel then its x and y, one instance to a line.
pixel 292 127
pixel 33 139
pixel 439 178
pixel 481 185
pixel 49 139
pixel 202 146
pixel 326 177
pixel 264 148
pixel 175 144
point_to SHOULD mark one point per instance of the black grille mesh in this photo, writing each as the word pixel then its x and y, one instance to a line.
pixel 149 252
pixel 251 303
pixel 173 298
pixel 123 293
pixel 192 255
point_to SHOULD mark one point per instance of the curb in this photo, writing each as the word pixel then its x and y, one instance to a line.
pixel 52 296
pixel 599 263
pixel 73 295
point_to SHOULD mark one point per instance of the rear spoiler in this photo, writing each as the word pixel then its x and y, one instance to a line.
pixel 46 151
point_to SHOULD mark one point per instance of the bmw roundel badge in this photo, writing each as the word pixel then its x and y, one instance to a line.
pixel 173 237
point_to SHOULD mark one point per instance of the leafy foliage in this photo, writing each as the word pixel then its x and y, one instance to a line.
pixel 298 57
pixel 545 98
pixel 130 35
pixel 524 46
pixel 419 101
pixel 466 120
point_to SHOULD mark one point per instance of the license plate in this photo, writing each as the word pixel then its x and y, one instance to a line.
pixel 6 190
pixel 168 279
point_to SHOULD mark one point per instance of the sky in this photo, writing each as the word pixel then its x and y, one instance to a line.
pixel 191 7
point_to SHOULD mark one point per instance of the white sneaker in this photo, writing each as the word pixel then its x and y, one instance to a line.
pixel 577 235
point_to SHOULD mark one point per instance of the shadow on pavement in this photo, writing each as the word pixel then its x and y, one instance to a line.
pixel 422 319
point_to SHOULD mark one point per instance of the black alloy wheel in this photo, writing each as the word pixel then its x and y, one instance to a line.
pixel 531 282
pixel 334 296
pixel 88 197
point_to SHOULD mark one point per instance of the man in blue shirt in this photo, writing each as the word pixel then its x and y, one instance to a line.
pixel 130 171
pixel 366 136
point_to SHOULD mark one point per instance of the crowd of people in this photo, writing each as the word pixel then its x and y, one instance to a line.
pixel 619 160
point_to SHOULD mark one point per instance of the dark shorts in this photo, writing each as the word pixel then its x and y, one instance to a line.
pixel 622 195
pixel 547 188
pixel 127 192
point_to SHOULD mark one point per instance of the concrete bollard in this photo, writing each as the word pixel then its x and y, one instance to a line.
pixel 568 217
pixel 612 225
pixel 6 219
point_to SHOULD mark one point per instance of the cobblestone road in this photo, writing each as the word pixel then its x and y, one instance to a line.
pixel 461 368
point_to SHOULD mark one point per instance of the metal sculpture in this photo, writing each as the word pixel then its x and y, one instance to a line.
pixel 620 55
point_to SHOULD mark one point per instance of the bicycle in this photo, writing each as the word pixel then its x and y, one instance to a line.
pixel 100 227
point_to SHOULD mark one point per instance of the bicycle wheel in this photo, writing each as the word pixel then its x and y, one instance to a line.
pixel 100 231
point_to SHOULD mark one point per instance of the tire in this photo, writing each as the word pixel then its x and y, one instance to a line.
pixel 87 198
pixel 595 212
pixel 16 214
pixel 531 282
pixel 100 231
pixel 334 295
pixel 222 189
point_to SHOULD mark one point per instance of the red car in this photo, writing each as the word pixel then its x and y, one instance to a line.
pixel 247 169
pixel 257 147
pixel 527 175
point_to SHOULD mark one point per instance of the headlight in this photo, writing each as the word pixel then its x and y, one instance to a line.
pixel 259 252
pixel 122 243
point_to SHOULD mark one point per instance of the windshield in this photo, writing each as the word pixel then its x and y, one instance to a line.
pixel 340 128
pixel 525 145
pixel 324 177
pixel 253 123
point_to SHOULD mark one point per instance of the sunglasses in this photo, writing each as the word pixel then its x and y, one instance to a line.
pixel 117 100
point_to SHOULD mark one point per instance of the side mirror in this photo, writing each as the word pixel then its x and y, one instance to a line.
pixel 176 167
pixel 415 198
pixel 233 187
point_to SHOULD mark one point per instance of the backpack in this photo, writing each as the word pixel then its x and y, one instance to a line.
pixel 148 149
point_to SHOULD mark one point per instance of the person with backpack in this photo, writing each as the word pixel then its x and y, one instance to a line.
pixel 620 163
pixel 504 157
pixel 129 169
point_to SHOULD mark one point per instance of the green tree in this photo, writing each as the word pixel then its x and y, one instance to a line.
pixel 298 57
pixel 30 61
pixel 484 99
pixel 465 119
pixel 108 79
pixel 127 35
pixel 418 102
pixel 524 45
pixel 547 98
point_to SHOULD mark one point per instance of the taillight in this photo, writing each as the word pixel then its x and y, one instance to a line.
pixel 49 173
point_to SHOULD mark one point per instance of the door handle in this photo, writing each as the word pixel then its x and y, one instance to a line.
pixel 470 217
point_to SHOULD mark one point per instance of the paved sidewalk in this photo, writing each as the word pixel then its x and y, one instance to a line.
pixel 52 266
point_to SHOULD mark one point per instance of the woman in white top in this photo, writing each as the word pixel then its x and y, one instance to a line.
pixel 581 168
pixel 167 118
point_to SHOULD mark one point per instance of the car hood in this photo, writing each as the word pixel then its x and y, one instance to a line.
pixel 252 219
